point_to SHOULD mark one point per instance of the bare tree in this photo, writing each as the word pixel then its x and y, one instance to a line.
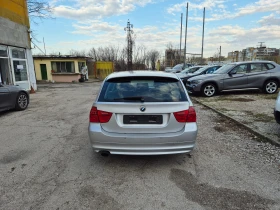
pixel 109 53
pixel 152 57
pixel 39 9
pixel 272 58
pixel 139 57
pixel 120 63
pixel 54 53
pixel 78 53
pixel 172 55
pixel 93 54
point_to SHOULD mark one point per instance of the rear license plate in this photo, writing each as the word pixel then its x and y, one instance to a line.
pixel 142 119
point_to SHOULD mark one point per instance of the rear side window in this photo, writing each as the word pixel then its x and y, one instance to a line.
pixel 270 66
pixel 258 67
pixel 144 89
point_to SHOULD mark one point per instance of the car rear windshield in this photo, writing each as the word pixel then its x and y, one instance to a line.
pixel 143 89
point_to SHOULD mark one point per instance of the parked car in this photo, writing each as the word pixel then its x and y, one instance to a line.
pixel 142 113
pixel 201 71
pixel 277 109
pixel 188 70
pixel 263 75
pixel 179 67
pixel 167 69
pixel 13 97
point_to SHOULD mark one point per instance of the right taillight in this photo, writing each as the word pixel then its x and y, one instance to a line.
pixel 186 115
pixel 99 116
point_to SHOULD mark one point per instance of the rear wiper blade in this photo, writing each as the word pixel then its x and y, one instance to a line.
pixel 135 98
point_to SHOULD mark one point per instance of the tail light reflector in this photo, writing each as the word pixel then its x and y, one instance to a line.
pixel 186 115
pixel 99 116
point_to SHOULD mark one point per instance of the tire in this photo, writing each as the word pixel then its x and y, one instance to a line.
pixel 270 87
pixel 209 90
pixel 22 101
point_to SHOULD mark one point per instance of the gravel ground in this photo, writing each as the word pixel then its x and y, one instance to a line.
pixel 46 163
pixel 254 109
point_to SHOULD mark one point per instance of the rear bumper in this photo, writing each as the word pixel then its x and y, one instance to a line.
pixel 143 144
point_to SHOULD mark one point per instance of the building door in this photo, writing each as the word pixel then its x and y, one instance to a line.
pixel 44 71
pixel 19 67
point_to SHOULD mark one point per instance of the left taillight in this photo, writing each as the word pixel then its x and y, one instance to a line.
pixel 99 116
pixel 186 115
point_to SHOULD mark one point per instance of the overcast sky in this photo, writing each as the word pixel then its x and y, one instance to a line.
pixel 232 24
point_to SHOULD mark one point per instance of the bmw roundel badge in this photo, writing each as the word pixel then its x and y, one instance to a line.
pixel 142 109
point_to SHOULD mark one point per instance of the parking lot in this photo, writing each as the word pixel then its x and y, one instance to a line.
pixel 46 163
pixel 253 109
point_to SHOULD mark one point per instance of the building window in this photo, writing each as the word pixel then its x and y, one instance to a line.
pixel 18 53
pixel 62 67
pixel 3 51
pixel 81 65
pixel 20 70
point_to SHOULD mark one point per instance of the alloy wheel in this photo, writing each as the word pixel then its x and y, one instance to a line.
pixel 209 90
pixel 271 87
pixel 22 101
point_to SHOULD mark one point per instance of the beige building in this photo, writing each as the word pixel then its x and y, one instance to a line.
pixel 58 68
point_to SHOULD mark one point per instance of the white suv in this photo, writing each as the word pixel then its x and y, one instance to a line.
pixel 277 109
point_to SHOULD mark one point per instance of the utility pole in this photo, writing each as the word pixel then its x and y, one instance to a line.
pixel 220 52
pixel 203 34
pixel 186 32
pixel 181 37
pixel 129 31
pixel 261 44
pixel 44 46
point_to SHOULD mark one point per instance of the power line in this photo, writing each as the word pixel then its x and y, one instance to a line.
pixel 38 47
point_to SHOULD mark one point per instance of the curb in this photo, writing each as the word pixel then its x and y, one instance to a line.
pixel 262 137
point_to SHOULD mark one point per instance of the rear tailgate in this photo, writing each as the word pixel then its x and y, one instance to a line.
pixel 154 117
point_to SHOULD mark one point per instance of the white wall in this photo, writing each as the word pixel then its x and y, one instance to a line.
pixel 31 69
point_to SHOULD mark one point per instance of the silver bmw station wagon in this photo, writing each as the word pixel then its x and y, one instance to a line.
pixel 142 113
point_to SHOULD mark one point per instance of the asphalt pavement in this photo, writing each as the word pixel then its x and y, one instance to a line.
pixel 46 163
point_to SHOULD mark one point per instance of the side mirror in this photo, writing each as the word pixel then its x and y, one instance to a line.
pixel 232 72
